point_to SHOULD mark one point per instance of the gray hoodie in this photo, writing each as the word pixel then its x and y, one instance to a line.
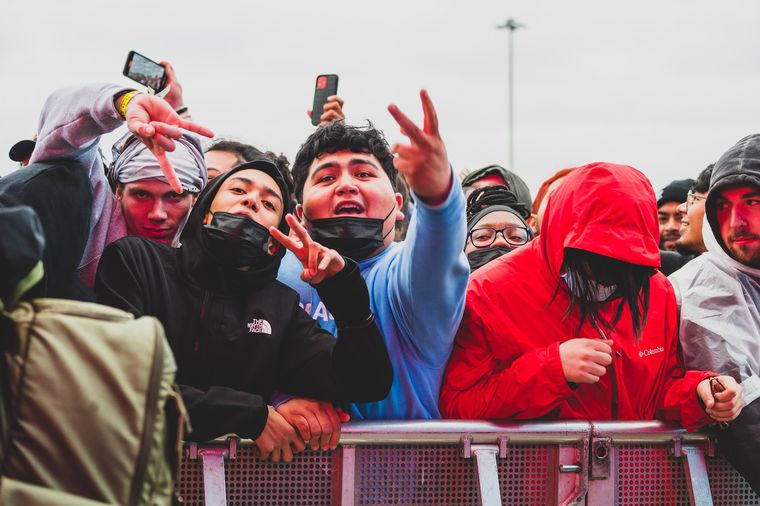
pixel 719 297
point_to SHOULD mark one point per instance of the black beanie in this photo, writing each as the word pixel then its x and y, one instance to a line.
pixel 676 191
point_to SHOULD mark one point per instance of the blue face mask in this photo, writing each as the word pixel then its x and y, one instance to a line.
pixel 601 293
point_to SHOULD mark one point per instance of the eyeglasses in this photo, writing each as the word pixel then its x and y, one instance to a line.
pixel 484 237
pixel 692 197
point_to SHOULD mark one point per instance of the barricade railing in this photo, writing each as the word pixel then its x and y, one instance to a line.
pixel 447 462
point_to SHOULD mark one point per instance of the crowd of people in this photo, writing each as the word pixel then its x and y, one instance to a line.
pixel 370 281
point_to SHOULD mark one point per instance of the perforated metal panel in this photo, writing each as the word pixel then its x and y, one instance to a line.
pixel 307 481
pixel 650 475
pixel 428 474
pixel 727 486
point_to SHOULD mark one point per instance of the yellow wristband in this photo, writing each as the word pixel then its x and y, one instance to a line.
pixel 124 102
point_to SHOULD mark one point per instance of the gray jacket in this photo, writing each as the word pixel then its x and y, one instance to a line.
pixel 719 297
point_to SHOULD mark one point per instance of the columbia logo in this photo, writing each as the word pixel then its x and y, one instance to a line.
pixel 651 351
pixel 259 327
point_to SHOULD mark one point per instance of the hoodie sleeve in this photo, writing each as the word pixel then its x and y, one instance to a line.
pixel 478 386
pixel 428 281
pixel 215 411
pixel 678 398
pixel 72 121
pixel 353 368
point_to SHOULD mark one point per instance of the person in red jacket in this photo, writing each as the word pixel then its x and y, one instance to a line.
pixel 578 324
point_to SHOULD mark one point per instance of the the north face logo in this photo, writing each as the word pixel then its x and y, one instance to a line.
pixel 259 327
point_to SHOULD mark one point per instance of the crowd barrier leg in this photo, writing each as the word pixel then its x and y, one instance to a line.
pixel 212 459
pixel 345 485
pixel 572 486
pixel 695 468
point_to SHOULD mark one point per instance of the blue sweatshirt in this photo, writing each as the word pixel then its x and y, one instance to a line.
pixel 417 291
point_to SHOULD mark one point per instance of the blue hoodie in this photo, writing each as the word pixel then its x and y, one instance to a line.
pixel 417 292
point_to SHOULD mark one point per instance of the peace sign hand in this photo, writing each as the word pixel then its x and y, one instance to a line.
pixel 154 121
pixel 319 262
pixel 424 162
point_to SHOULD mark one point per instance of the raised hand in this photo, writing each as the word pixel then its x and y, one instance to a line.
pixel 424 162
pixel 174 97
pixel 319 263
pixel 154 121
pixel 332 110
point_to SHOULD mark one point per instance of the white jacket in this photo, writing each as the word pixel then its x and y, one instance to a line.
pixel 719 304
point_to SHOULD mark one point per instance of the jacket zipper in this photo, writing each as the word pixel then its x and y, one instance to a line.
pixel 204 303
pixel 613 376
pixel 151 412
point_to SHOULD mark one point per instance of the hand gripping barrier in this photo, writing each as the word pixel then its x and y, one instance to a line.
pixel 446 462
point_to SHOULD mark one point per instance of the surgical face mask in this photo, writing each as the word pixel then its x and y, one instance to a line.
pixel 237 241
pixel 352 237
pixel 480 257
pixel 600 292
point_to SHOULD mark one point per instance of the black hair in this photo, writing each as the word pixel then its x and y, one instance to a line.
pixel 337 136
pixel 584 269
pixel 243 152
pixel 702 183
pixel 248 153
pixel 488 196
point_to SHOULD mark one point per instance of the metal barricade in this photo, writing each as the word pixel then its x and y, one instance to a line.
pixel 448 462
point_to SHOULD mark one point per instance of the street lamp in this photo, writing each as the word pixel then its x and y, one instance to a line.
pixel 511 24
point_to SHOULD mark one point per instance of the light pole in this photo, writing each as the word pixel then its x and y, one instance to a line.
pixel 511 24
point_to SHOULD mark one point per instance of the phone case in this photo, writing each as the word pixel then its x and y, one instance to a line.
pixel 156 86
pixel 326 86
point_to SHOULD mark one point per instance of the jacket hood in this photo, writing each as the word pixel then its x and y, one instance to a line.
pixel 739 166
pixel 21 250
pixel 514 182
pixel 200 263
pixel 603 208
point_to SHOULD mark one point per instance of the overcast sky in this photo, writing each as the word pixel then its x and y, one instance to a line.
pixel 664 86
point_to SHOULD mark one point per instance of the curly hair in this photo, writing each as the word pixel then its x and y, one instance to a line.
pixel 337 136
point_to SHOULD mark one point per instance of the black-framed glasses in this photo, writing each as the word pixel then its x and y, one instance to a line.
pixel 692 197
pixel 484 237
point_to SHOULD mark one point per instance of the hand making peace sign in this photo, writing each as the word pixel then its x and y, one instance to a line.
pixel 424 162
pixel 154 121
pixel 319 262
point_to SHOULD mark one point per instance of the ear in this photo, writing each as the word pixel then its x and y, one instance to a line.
pixel 399 204
pixel 207 218
pixel 299 212
pixel 119 192
pixel 533 223
pixel 272 247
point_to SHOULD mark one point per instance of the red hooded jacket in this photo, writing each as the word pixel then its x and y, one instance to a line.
pixel 506 361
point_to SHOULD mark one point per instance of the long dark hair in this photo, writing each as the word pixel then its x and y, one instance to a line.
pixel 584 269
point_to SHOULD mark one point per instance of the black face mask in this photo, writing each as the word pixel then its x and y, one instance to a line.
pixel 352 237
pixel 237 241
pixel 481 257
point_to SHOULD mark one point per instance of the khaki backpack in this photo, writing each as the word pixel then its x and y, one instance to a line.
pixel 87 389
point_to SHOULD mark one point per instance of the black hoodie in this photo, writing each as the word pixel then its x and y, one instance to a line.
pixel 239 336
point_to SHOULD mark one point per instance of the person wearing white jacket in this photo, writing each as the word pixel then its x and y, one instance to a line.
pixel 718 295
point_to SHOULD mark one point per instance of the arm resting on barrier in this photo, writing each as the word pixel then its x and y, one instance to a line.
pixel 353 368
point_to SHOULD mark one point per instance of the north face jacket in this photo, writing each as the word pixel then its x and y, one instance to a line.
pixel 238 336
pixel 506 361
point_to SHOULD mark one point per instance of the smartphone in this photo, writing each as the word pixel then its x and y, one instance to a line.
pixel 145 71
pixel 326 86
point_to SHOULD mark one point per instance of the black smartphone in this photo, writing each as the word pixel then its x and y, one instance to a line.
pixel 326 86
pixel 145 71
